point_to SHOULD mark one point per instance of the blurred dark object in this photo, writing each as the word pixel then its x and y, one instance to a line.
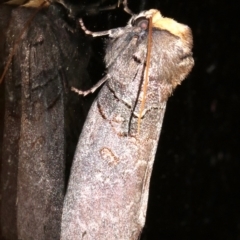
pixel 42 118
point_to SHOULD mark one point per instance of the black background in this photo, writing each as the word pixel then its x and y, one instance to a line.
pixel 195 183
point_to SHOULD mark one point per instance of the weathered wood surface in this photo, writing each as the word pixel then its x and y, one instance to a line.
pixel 109 183
pixel 39 120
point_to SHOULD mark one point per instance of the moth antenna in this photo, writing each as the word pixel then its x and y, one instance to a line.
pixel 10 57
pixel 118 31
pixel 126 8
pixel 84 28
pixel 146 77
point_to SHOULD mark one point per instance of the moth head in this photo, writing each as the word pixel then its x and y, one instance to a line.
pixel 139 20
pixel 162 23
pixel 171 51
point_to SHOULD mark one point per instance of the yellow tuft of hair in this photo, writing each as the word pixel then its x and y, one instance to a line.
pixel 168 24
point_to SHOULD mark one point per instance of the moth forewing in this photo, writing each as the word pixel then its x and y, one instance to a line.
pixel 133 49
pixel 108 188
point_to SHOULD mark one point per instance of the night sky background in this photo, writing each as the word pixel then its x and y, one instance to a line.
pixel 195 186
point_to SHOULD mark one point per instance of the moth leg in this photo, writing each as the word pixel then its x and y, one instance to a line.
pixel 92 89
pixel 113 33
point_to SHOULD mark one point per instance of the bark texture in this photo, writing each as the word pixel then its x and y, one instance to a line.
pixel 38 120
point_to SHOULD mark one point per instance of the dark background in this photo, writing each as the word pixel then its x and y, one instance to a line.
pixel 195 183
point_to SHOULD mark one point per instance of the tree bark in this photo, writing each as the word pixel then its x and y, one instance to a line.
pixel 38 140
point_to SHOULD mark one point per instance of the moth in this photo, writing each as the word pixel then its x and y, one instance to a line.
pixel 108 188
pixel 131 43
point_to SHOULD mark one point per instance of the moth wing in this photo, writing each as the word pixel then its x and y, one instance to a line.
pixel 125 57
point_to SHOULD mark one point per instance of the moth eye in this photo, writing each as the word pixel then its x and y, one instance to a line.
pixel 141 22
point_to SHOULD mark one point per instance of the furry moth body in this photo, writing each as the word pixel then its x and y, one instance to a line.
pixel 109 183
